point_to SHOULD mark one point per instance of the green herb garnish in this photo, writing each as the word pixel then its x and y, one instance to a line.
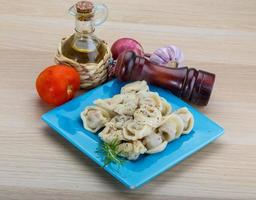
pixel 110 151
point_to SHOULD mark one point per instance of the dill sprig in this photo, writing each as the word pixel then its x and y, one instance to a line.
pixel 110 151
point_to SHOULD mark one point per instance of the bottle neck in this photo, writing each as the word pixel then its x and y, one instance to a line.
pixel 84 27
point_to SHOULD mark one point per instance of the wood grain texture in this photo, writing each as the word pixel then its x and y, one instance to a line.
pixel 219 36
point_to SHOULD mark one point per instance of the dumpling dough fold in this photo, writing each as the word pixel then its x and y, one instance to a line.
pixel 187 119
pixel 120 121
pixel 171 127
pixel 135 130
pixel 109 104
pixel 131 150
pixel 94 118
pixel 154 143
pixel 128 105
pixel 157 149
pixel 165 107
pixel 148 115
pixel 149 98
pixel 111 133
pixel 135 87
pixel 153 99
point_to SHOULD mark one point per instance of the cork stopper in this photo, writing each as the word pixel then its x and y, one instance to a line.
pixel 84 7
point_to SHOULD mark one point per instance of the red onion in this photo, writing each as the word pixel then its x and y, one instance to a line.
pixel 124 44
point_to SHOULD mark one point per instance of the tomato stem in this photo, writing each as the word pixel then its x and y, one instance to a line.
pixel 69 90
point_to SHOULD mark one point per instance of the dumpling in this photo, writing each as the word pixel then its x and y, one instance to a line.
pixel 119 121
pixel 135 130
pixel 157 149
pixel 149 98
pixel 131 150
pixel 153 99
pixel 128 105
pixel 130 97
pixel 165 107
pixel 110 134
pixel 148 115
pixel 154 143
pixel 122 104
pixel 125 109
pixel 135 87
pixel 171 127
pixel 109 104
pixel 94 118
pixel 187 118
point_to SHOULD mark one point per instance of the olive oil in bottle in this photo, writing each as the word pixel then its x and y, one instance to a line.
pixel 83 46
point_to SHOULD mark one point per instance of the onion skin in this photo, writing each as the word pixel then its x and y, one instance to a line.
pixel 124 44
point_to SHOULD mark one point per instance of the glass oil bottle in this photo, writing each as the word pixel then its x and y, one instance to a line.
pixel 83 46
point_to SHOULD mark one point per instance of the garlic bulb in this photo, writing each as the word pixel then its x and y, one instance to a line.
pixel 167 55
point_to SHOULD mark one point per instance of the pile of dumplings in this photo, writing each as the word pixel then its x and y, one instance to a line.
pixel 138 119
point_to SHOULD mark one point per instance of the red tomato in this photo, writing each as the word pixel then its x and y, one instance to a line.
pixel 57 84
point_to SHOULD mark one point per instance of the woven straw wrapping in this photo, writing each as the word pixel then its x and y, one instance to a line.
pixel 91 74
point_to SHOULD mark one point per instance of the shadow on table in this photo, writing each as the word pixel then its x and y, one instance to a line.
pixel 121 191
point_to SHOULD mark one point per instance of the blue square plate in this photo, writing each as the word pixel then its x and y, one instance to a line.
pixel 66 121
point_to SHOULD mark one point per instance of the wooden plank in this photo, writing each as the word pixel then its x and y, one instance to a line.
pixel 219 36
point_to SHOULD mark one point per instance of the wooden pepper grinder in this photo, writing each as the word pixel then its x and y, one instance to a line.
pixel 192 85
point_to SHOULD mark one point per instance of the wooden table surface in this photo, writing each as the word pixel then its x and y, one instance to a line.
pixel 218 36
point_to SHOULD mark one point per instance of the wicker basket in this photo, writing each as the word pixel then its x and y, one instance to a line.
pixel 91 74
